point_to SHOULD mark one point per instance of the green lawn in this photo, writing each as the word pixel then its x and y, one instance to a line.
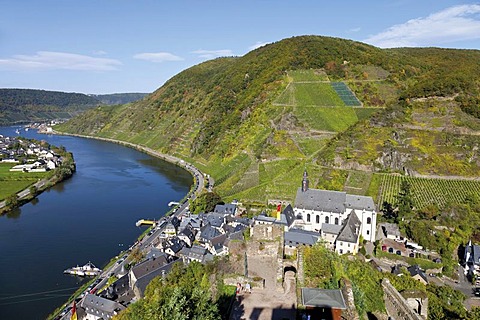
pixel 334 119
pixel 308 75
pixel 13 182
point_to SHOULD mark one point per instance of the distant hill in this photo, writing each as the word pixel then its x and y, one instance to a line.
pixel 28 105
pixel 347 111
pixel 118 98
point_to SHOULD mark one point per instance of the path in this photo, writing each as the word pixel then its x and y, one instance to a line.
pixel 267 303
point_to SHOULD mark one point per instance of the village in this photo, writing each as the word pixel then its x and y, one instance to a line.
pixel 28 156
pixel 344 223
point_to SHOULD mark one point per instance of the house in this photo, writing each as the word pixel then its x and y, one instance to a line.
pixel 196 253
pixel 217 246
pixel 329 234
pixel 418 274
pixel 349 236
pixel 173 247
pixel 141 274
pixel 323 303
pixel 229 208
pixel 472 259
pixel 100 308
pixel 187 235
pixel 207 232
pixel 391 231
pixel 316 207
pixel 172 226
pixel 296 237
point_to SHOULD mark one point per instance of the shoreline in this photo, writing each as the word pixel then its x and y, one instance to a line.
pixel 198 176
pixel 196 188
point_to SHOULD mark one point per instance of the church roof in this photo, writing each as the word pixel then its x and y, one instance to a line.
pixel 360 202
pixel 321 200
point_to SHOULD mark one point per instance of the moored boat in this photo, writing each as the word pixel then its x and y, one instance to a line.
pixel 86 270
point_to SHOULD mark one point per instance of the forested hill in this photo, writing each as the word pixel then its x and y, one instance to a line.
pixel 10 98
pixel 331 105
pixel 119 98
pixel 25 105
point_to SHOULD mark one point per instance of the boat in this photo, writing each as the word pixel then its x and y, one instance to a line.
pixel 17 131
pixel 86 270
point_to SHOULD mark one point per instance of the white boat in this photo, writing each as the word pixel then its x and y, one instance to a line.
pixel 86 270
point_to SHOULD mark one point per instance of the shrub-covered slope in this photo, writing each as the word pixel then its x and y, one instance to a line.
pixel 246 120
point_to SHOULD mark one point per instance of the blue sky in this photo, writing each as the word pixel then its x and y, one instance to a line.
pixel 108 46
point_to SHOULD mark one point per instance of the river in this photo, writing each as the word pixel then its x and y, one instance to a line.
pixel 90 217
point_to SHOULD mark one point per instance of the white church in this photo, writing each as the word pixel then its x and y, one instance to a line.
pixel 340 218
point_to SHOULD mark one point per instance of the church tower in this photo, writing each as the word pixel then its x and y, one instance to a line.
pixel 305 181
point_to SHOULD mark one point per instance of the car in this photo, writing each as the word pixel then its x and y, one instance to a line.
pixel 476 291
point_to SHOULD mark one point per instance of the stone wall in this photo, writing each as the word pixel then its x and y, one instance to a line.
pixel 397 307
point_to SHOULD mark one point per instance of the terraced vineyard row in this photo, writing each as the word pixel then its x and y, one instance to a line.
pixel 428 191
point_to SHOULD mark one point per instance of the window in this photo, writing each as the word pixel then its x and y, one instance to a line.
pixel 327 220
pixel 317 219
pixel 341 251
pixel 369 220
pixel 368 232
pixel 348 245
pixel 308 217
pixel 336 220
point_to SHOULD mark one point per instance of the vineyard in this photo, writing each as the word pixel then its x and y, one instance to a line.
pixel 426 192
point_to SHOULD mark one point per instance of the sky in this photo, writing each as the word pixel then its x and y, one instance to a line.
pixel 113 46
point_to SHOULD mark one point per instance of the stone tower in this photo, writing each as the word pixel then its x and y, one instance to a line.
pixel 305 181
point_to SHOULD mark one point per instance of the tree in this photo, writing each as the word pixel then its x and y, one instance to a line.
pixel 404 199
pixel 206 202
pixel 11 201
pixel 389 212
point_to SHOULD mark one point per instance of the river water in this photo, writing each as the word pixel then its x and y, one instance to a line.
pixel 90 217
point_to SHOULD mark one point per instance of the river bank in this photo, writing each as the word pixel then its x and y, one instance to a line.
pixel 89 217
pixel 199 177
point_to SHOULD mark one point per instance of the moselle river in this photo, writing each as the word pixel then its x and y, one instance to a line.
pixel 90 217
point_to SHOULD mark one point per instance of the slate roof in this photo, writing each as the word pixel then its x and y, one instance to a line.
pixel 228 208
pixel 331 228
pixel 321 200
pixel 143 282
pixel 289 215
pixel 350 230
pixel 216 219
pixel 208 232
pixel 154 253
pixel 476 254
pixel 265 219
pixel 299 237
pixel 323 298
pixel 415 270
pixel 148 266
pixel 360 202
pixel 99 306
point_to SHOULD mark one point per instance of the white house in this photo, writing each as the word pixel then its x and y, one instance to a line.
pixel 318 207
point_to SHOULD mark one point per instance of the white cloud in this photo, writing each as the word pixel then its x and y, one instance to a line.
pixel 257 45
pixel 355 29
pixel 157 56
pixel 210 54
pixel 456 23
pixel 100 53
pixel 47 60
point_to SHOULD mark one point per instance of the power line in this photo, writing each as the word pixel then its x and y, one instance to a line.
pixel 37 293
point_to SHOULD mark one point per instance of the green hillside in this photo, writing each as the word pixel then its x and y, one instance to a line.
pixel 256 122
pixel 28 105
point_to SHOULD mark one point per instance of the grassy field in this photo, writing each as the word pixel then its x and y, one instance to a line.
pixel 308 75
pixel 334 119
pixel 310 94
pixel 13 182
